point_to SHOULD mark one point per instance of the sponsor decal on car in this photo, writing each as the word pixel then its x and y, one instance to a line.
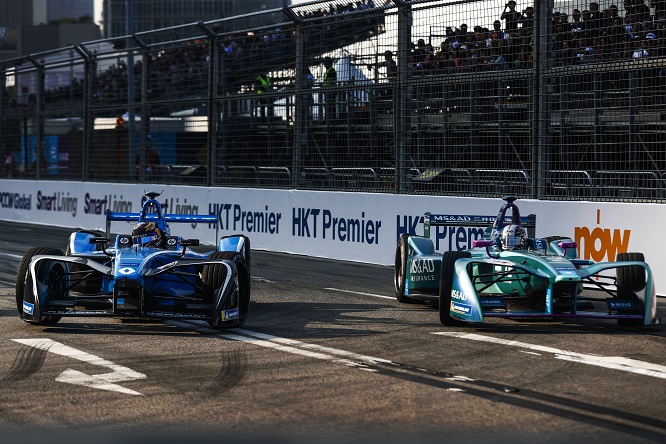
pixel 127 270
pixel 461 308
pixel 419 266
pixel 230 314
pixel 28 308
pixel 461 295
pixel 540 244
pixel 622 305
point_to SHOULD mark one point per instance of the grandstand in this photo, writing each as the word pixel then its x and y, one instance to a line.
pixel 550 109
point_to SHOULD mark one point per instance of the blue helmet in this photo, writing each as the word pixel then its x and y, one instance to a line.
pixel 148 234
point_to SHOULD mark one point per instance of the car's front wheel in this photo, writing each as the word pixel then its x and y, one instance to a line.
pixel 213 277
pixel 629 281
pixel 400 270
pixel 53 274
pixel 447 274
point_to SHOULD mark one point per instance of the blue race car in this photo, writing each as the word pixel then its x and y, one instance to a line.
pixel 146 275
pixel 510 273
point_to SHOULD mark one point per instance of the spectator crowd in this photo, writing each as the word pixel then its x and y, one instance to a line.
pixel 587 36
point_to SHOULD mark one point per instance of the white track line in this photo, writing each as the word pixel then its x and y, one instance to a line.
pixel 612 362
pixel 360 293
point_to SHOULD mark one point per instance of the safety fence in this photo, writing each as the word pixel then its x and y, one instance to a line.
pixel 469 98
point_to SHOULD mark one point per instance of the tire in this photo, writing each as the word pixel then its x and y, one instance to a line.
pixel 400 270
pixel 23 276
pixel 629 281
pixel 90 285
pixel 449 259
pixel 213 277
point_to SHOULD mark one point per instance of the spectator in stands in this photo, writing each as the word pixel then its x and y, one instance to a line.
pixel 497 61
pixel 638 48
pixel 262 85
pixel 330 81
pixel 511 17
pixel 7 162
pixel 444 60
pixel 653 45
pixel 497 30
pixel 391 71
pixel 527 19
pixel 523 58
pixel 595 18
pixel 565 55
pixel 577 22
pixel 564 21
pixel 308 83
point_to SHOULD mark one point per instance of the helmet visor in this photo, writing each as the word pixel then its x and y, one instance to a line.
pixel 143 240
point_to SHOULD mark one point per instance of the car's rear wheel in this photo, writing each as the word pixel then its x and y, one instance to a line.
pixel 53 274
pixel 400 270
pixel 445 286
pixel 629 281
pixel 213 276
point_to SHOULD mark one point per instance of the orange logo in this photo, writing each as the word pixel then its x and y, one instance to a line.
pixel 601 243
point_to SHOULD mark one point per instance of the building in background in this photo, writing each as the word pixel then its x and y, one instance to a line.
pixel 32 26
pixel 69 9
pixel 156 14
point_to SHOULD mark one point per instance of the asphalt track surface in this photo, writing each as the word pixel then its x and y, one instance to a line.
pixel 327 355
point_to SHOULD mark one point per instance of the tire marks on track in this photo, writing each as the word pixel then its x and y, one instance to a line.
pixel 608 418
pixel 232 372
pixel 28 361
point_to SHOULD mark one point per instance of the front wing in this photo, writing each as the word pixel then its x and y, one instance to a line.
pixel 174 290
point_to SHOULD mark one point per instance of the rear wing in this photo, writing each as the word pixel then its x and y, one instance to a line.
pixel 464 220
pixel 176 218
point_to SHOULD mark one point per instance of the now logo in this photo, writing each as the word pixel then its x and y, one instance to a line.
pixel 601 244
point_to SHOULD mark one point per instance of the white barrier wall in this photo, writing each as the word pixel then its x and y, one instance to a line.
pixel 360 227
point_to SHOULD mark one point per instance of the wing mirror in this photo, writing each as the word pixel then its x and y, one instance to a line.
pixel 480 243
pixel 565 245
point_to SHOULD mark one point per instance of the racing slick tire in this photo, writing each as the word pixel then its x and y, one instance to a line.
pixel 213 277
pixel 629 281
pixel 55 275
pixel 88 285
pixel 400 270
pixel 445 285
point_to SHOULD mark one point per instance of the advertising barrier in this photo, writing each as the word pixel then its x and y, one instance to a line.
pixel 362 227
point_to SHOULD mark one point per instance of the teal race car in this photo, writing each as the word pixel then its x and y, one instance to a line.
pixel 510 273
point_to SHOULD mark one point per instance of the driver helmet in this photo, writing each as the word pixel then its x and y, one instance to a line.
pixel 513 237
pixel 148 234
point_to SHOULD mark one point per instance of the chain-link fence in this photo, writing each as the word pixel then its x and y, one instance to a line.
pixel 470 98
